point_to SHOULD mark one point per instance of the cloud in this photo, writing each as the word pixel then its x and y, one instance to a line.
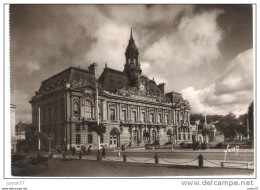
pixel 177 45
pixel 193 44
pixel 232 91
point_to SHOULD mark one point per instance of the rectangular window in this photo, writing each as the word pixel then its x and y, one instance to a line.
pixel 188 136
pixel 151 117
pixel 159 118
pixel 78 139
pixel 77 127
pixel 143 117
pixel 134 116
pixel 101 138
pixel 124 115
pixel 112 114
pixel 90 138
pixel 184 136
pixel 167 119
pixel 179 136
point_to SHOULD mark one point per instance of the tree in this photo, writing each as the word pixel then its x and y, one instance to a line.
pixel 250 113
pixel 228 125
pixel 99 129
pixel 210 118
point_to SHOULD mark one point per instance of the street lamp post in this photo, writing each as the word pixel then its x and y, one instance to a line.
pixel 97 116
pixel 39 145
pixel 49 139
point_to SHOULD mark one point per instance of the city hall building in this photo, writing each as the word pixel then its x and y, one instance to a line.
pixel 133 109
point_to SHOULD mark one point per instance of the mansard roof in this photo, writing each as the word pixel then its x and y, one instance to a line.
pixel 112 80
pixel 175 97
pixel 68 76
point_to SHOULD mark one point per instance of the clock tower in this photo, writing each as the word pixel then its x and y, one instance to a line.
pixel 132 66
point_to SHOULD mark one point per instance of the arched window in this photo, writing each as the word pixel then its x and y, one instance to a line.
pixel 135 136
pixel 152 117
pixel 153 136
pixel 114 137
pixel 181 118
pixel 169 136
pixel 146 135
pixel 87 109
pixel 76 106
pixel 159 118
pixel 167 119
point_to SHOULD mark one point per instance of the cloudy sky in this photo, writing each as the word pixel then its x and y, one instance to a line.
pixel 203 51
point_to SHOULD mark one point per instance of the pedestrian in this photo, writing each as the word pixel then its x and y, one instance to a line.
pixel 83 149
pixel 119 153
pixel 89 149
pixel 103 152
pixel 123 147
pixel 73 151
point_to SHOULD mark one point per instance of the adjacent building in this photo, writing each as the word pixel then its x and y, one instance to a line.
pixel 13 136
pixel 213 137
pixel 134 109
pixel 20 130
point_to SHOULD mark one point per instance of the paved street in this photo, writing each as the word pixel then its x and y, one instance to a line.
pixel 91 168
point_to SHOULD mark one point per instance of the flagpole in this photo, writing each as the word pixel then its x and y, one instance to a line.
pixel 97 115
pixel 39 145
pixel 206 126
pixel 247 128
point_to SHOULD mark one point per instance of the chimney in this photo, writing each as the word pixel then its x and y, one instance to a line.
pixel 92 68
pixel 161 87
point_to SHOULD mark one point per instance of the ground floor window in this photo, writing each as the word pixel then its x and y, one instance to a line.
pixel 78 139
pixel 169 135
pixel 101 138
pixel 135 136
pixel 146 135
pixel 184 136
pixel 153 136
pixel 188 136
pixel 179 136
pixel 113 140
pixel 90 138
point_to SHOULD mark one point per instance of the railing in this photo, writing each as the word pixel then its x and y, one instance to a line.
pixel 198 161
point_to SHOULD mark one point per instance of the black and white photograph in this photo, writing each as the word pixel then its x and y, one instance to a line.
pixel 132 91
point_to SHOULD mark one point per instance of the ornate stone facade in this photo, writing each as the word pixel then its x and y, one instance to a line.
pixel 133 108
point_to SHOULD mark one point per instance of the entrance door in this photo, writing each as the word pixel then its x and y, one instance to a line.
pixel 114 139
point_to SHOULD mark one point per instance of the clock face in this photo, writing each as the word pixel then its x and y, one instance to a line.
pixel 142 87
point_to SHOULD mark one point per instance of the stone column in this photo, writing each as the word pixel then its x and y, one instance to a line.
pixel 141 134
pixel 138 136
pixel 155 115
pixel 117 111
pixel 189 118
pixel 150 134
pixel 104 105
pixel 163 116
pixel 147 114
pixel 128 112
